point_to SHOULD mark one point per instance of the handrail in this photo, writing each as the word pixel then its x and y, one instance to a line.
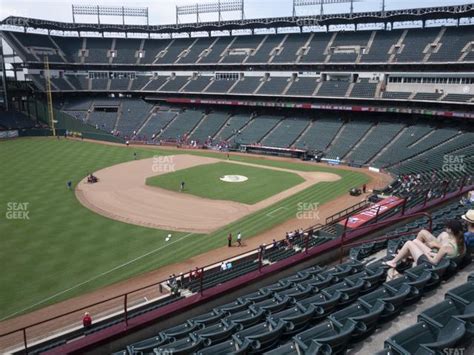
pixel 345 212
pixel 385 237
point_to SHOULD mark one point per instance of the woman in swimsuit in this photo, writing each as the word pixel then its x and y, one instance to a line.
pixel 433 251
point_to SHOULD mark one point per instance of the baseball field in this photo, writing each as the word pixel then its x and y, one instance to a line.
pixel 53 247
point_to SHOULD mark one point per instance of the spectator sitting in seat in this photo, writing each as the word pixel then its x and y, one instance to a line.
pixel 468 200
pixel 469 235
pixel 450 247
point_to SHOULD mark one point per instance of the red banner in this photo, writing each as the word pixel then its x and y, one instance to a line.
pixel 370 213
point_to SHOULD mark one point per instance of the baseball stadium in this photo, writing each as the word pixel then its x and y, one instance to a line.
pixel 237 177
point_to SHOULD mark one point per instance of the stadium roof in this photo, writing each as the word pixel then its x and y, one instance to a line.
pixel 418 14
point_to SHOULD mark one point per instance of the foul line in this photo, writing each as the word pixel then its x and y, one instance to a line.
pixel 95 277
pixel 270 214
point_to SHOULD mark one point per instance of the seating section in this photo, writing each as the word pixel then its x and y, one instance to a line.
pixel 320 134
pixel 379 50
pixel 233 126
pixel 132 114
pixel 14 120
pixel 257 129
pixel 262 55
pixel 209 126
pixel 246 85
pixel 416 140
pixel 157 122
pixel 182 125
pixel 220 86
pixel 348 137
pixel 174 84
pixel 176 47
pixel 364 88
pixel 197 85
pixel 414 44
pixel 126 50
pixel 451 45
pixel 333 88
pixel 290 47
pixel 443 326
pixel 285 134
pixel 98 50
pixel 379 137
pixel 273 86
pixel 316 52
pixel 346 47
pixel 302 86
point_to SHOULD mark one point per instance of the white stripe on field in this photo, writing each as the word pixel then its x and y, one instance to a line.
pixel 96 277
pixel 271 213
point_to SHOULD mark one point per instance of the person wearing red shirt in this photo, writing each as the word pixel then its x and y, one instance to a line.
pixel 87 320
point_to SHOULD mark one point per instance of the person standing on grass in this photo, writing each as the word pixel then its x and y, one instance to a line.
pixel 69 185
pixel 239 239
pixel 229 240
pixel 181 186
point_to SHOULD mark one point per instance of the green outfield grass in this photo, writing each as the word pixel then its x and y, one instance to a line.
pixel 64 249
pixel 203 181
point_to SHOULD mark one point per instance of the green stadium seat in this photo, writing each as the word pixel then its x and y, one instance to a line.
pixel 261 336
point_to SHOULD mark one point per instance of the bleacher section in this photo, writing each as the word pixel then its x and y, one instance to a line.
pixel 302 86
pixel 174 83
pixel 408 145
pixel 256 129
pixel 126 50
pixel 220 86
pixel 209 126
pixel 273 86
pixel 198 84
pixel 232 126
pixel 285 134
pixel 246 85
pixel 379 137
pixel 320 134
pixel 348 137
pixel 364 88
pixel 132 115
pixel 182 125
pixel 333 88
pixel 290 47
pixel 98 50
pixel 451 45
pixel 345 47
pixel 158 121
pixel 14 120
pixel 381 46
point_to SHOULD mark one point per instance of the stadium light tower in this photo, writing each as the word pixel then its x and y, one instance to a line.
pixel 97 10
pixel 214 7
pixel 301 3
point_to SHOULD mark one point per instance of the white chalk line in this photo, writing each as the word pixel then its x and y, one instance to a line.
pixel 96 277
pixel 270 214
